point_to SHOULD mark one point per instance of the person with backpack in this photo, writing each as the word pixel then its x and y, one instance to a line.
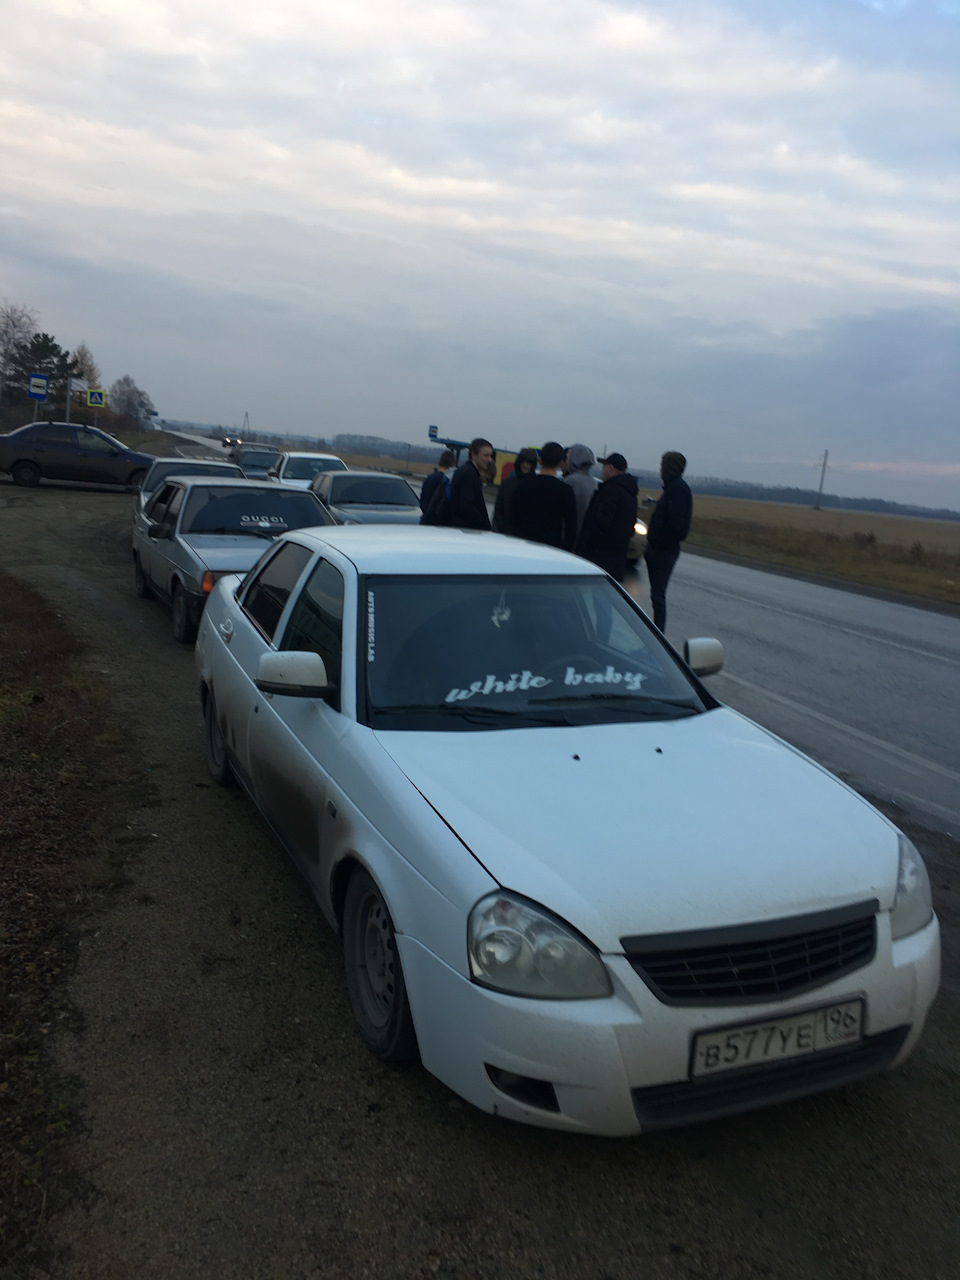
pixel 437 480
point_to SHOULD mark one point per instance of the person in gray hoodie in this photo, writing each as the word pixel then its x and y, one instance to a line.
pixel 579 461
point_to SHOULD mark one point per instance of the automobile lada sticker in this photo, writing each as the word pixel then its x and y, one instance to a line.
pixel 371 628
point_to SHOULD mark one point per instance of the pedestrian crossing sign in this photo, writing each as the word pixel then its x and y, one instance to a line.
pixel 95 399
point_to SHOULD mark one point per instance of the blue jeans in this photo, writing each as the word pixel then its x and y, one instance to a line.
pixel 660 562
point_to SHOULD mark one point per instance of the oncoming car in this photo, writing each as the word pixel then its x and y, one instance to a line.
pixel 587 894
pixel 194 530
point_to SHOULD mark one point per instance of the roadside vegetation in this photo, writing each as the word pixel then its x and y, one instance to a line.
pixel 65 776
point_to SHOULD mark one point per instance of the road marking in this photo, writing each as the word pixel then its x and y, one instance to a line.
pixel 915 762
pixel 825 622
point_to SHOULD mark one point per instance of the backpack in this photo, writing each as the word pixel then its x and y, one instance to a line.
pixel 438 511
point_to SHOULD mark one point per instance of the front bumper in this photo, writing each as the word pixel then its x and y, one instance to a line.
pixel 620 1065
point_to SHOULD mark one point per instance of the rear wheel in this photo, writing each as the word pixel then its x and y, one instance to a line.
pixel 26 474
pixel 184 630
pixel 378 994
pixel 217 761
pixel 140 584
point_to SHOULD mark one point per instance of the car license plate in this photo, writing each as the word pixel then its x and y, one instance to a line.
pixel 776 1039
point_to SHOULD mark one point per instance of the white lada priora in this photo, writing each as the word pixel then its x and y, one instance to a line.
pixel 587 894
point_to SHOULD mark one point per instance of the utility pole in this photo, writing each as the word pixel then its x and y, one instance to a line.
pixel 823 472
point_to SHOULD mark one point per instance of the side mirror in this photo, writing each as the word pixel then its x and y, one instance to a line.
pixel 160 531
pixel 294 673
pixel 703 656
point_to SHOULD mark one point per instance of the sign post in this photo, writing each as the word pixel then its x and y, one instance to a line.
pixel 39 382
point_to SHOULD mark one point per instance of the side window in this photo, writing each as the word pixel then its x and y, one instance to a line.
pixel 176 502
pixel 267 595
pixel 316 622
pixel 94 443
pixel 55 438
pixel 155 507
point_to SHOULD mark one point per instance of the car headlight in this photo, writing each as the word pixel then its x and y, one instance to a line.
pixel 640 528
pixel 913 905
pixel 518 947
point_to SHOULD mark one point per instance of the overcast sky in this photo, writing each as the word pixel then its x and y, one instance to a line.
pixel 727 228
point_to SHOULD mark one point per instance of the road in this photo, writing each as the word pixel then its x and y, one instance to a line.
pixel 869 688
pixel 231 1126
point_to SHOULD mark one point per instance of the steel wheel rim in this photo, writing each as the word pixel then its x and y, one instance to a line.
pixel 375 960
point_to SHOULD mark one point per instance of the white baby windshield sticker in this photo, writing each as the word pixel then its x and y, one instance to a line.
pixel 492 684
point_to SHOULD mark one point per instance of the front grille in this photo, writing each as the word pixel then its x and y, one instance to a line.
pixel 751 963
pixel 690 1101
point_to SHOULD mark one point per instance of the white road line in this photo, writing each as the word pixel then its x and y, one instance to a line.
pixel 915 762
pixel 825 622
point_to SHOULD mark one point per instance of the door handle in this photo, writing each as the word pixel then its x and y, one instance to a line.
pixel 226 630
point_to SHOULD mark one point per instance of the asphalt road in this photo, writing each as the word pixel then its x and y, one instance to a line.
pixel 231 1126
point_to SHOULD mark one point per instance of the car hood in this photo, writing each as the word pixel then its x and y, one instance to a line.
pixel 641 828
pixel 226 552
pixel 378 513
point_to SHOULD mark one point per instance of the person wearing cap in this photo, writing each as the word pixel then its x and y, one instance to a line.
pixel 543 508
pixel 584 485
pixel 524 467
pixel 610 518
pixel 666 529
pixel 428 490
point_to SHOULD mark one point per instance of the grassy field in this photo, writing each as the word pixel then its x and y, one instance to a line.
pixel 897 553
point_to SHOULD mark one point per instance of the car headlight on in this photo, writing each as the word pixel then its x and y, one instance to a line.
pixel 913 905
pixel 640 528
pixel 519 948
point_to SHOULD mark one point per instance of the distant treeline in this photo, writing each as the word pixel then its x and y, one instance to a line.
pixel 377 446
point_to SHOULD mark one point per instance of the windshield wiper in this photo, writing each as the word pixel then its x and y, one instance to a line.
pixel 625 702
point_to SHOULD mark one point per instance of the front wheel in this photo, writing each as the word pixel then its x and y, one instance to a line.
pixel 26 474
pixel 184 628
pixel 217 761
pixel 375 986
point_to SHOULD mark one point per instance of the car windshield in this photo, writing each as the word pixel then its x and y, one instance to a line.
pixel 346 491
pixel 307 468
pixel 264 458
pixel 259 512
pixel 160 470
pixel 508 652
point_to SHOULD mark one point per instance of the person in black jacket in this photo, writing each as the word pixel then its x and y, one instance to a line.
pixel 440 476
pixel 524 467
pixel 468 507
pixel 611 515
pixel 543 508
pixel 668 527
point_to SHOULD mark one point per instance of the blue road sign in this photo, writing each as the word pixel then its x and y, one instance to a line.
pixel 95 399
pixel 433 433
pixel 39 383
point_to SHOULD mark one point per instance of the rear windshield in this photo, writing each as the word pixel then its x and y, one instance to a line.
pixel 160 470
pixel 256 511
pixel 348 491
pixel 513 652
pixel 258 459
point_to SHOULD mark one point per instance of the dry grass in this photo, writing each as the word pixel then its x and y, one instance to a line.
pixel 896 553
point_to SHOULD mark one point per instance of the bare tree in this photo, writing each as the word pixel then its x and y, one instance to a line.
pixel 84 366
pixel 18 324
pixel 126 397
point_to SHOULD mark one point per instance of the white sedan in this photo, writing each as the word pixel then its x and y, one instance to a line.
pixel 587 894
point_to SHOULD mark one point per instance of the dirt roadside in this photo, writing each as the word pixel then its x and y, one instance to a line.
pixel 233 1126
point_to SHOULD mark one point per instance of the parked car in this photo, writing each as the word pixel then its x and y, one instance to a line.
pixel 367 497
pixel 299 469
pixel 70 451
pixel 688 919
pixel 193 531
pixel 241 450
pixel 163 468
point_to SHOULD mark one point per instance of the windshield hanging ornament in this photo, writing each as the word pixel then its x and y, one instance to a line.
pixel 501 612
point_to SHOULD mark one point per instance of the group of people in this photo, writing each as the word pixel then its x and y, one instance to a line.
pixel 556 500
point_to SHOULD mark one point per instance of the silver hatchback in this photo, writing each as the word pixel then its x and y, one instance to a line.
pixel 193 531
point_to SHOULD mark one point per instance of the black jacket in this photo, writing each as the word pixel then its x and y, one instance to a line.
pixel 544 509
pixel 429 488
pixel 670 522
pixel 468 509
pixel 608 524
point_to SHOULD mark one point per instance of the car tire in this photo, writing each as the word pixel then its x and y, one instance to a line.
pixel 375 985
pixel 137 478
pixel 217 761
pixel 184 630
pixel 140 584
pixel 26 474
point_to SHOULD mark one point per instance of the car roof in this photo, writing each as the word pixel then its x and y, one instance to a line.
pixel 416 549
pixel 383 475
pixel 206 462
pixel 232 482
pixel 310 453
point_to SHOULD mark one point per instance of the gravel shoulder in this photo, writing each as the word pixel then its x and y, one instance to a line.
pixel 233 1127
